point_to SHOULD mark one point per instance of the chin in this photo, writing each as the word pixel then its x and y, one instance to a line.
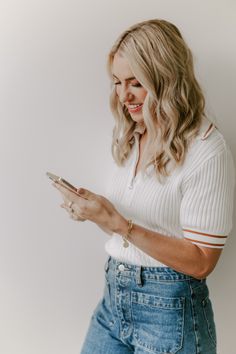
pixel 138 119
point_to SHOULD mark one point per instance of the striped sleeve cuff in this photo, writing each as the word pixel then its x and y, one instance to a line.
pixel 204 239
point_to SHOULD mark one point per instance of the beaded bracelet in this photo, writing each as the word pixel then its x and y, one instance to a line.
pixel 125 238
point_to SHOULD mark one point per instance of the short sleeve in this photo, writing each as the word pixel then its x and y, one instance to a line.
pixel 206 212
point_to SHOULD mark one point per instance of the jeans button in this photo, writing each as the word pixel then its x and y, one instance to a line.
pixel 121 267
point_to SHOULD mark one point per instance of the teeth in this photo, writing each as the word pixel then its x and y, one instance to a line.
pixel 134 105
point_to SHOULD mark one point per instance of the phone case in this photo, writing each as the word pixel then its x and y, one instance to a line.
pixel 62 181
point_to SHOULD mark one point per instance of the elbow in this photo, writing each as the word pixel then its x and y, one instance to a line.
pixel 206 262
pixel 201 275
pixel 203 272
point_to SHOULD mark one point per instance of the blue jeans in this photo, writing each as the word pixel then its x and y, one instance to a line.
pixel 151 310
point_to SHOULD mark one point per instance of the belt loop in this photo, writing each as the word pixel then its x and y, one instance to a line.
pixel 138 276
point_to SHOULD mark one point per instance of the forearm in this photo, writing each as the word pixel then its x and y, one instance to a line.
pixel 179 254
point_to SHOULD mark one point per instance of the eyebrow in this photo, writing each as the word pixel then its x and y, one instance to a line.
pixel 128 79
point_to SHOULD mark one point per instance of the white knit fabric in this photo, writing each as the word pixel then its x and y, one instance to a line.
pixel 195 202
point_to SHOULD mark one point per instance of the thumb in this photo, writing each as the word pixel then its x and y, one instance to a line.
pixel 86 194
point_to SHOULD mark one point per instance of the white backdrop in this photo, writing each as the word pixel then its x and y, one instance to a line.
pixel 55 116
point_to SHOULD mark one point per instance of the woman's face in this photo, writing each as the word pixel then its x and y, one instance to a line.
pixel 128 89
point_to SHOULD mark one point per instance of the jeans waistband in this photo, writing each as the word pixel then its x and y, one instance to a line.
pixel 158 273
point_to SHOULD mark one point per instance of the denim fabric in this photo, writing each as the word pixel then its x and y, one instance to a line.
pixel 153 310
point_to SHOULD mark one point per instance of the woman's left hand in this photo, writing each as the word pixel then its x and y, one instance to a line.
pixel 91 206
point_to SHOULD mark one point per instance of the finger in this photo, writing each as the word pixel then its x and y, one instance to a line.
pixel 64 191
pixel 65 198
pixel 86 194
pixel 68 195
pixel 69 210
pixel 65 206
pixel 73 215
pixel 76 217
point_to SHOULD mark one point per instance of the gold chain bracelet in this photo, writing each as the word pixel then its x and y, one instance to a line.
pixel 125 238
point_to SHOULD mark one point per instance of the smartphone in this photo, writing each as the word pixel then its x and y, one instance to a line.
pixel 62 181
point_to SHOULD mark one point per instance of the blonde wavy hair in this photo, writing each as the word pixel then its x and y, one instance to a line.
pixel 174 105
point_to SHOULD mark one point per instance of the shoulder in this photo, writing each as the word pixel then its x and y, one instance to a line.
pixel 209 139
pixel 209 147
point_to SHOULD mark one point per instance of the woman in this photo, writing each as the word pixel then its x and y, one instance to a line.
pixel 169 204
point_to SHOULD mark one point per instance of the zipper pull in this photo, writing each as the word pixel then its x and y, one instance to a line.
pixel 131 184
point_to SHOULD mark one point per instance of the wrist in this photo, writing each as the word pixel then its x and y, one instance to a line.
pixel 120 226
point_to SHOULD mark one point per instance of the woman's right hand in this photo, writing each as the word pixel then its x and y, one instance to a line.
pixel 72 211
pixel 76 217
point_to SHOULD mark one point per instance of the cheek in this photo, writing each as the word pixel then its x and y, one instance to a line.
pixel 143 94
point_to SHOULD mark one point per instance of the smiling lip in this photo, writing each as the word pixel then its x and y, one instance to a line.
pixel 134 110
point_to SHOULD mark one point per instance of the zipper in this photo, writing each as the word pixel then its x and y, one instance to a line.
pixel 131 185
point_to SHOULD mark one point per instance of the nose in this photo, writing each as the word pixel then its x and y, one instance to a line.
pixel 124 94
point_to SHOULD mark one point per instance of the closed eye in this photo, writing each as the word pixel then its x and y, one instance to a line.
pixel 134 85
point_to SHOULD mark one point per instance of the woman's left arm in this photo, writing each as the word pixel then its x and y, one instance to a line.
pixel 179 254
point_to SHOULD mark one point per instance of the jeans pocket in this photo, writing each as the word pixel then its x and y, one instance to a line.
pixel 158 322
pixel 209 318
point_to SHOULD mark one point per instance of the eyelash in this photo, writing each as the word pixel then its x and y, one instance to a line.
pixel 135 85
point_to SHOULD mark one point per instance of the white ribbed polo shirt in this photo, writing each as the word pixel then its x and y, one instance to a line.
pixel 195 202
